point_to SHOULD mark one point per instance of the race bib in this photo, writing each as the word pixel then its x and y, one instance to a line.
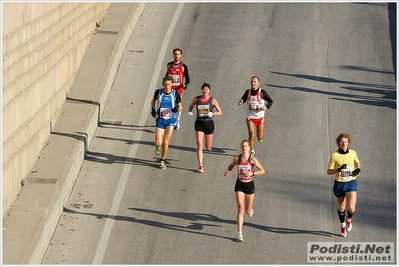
pixel 346 174
pixel 242 170
pixel 203 110
pixel 165 113
pixel 176 79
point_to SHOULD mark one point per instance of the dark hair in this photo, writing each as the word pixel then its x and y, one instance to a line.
pixel 206 85
pixel 167 78
pixel 255 77
pixel 245 141
pixel 177 49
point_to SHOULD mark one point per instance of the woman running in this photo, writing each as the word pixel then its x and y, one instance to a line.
pixel 245 186
pixel 204 125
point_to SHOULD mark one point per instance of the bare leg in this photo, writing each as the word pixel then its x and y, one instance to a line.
pixel 208 141
pixel 251 134
pixel 261 131
pixel 166 139
pixel 158 136
pixel 240 196
pixel 199 137
pixel 249 200
pixel 351 200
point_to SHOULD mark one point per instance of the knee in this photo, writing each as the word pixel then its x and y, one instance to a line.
pixel 166 142
pixel 351 211
pixel 199 145
pixel 240 210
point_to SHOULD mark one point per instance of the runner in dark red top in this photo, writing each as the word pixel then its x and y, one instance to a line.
pixel 181 79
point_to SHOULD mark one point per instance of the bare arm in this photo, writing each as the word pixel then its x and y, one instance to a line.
pixel 332 171
pixel 260 170
pixel 216 105
pixel 357 165
pixel 190 108
pixel 231 166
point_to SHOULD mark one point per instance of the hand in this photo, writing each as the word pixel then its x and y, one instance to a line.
pixel 190 113
pixel 210 114
pixel 356 172
pixel 175 109
pixel 185 86
pixel 343 167
pixel 241 102
pixel 153 112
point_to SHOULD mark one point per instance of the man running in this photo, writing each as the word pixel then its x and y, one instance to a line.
pixel 256 98
pixel 164 105
pixel 181 79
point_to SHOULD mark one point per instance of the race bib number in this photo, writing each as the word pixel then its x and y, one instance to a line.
pixel 242 170
pixel 346 174
pixel 176 79
pixel 165 113
pixel 254 106
pixel 203 110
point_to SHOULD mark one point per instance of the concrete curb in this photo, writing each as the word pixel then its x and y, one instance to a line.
pixel 64 185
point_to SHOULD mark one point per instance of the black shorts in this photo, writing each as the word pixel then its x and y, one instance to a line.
pixel 247 188
pixel 208 127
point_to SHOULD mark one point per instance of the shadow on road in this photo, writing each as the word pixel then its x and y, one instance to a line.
pixel 372 94
pixel 197 223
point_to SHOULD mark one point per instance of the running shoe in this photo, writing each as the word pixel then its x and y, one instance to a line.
pixel 260 140
pixel 240 238
pixel 251 213
pixel 343 230
pixel 177 125
pixel 158 150
pixel 162 165
pixel 252 152
pixel 348 224
pixel 200 169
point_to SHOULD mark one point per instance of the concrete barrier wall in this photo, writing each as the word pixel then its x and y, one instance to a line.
pixel 43 46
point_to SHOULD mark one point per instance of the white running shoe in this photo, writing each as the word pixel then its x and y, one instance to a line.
pixel 200 169
pixel 348 224
pixel 251 213
pixel 240 238
pixel 177 125
pixel 343 230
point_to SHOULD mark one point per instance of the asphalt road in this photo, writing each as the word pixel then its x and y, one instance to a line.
pixel 328 67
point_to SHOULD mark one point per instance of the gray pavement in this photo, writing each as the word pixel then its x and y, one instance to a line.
pixel 32 219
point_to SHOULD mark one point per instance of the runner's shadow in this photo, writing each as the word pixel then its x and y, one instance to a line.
pixel 212 218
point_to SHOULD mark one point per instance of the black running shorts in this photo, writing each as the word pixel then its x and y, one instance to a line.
pixel 208 127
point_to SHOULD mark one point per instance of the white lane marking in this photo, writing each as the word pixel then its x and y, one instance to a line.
pixel 320 161
pixel 102 245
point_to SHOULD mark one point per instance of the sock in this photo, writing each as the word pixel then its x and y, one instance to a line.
pixel 350 215
pixel 341 215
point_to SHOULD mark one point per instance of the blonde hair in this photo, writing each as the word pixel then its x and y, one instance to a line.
pixel 343 135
